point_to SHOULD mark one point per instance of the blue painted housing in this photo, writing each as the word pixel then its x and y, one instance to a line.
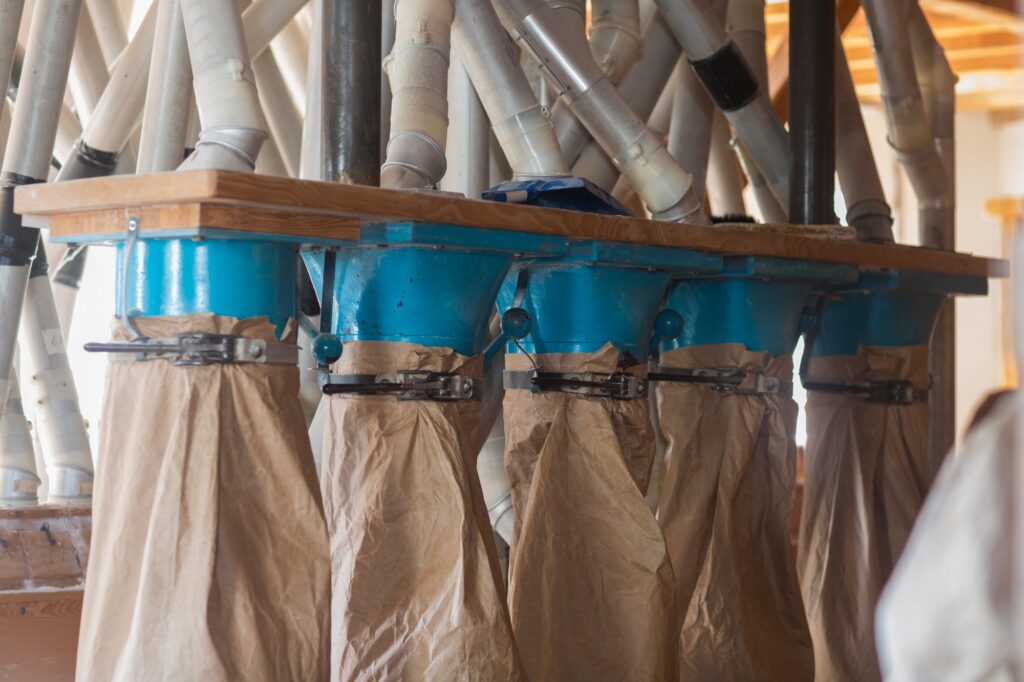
pixel 433 285
pixel 234 278
pixel 758 302
pixel 892 308
pixel 598 293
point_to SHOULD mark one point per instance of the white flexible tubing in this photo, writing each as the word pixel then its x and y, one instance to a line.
pixel 110 28
pixel 866 209
pixel 723 181
pixel 701 34
pixel 88 75
pixel 615 35
pixel 10 22
pixel 58 418
pixel 282 116
pixel 520 124
pixel 310 161
pixel 233 127
pixel 418 71
pixel 639 154
pixel 497 490
pixel 19 482
pixel 168 94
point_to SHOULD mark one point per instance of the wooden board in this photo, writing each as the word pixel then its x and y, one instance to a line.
pixel 81 208
pixel 39 635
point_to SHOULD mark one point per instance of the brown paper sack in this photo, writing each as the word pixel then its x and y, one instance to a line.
pixel 866 477
pixel 209 550
pixel 726 495
pixel 952 609
pixel 417 593
pixel 591 588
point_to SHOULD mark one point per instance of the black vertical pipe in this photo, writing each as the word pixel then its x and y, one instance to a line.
pixel 812 69
pixel 350 84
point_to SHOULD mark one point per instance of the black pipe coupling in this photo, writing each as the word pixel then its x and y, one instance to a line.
pixel 17 243
pixel 727 78
pixel 87 162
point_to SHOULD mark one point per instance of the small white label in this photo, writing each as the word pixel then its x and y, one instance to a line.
pixel 53 341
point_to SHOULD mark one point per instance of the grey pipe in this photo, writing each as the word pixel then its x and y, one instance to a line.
pixel 723 181
pixel 467 148
pixel 168 94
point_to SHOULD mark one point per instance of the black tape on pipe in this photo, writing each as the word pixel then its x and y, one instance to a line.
pixel 17 242
pixel 87 162
pixel 727 78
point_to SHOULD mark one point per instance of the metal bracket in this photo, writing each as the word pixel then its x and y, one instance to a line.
pixel 885 392
pixel 404 384
pixel 618 385
pixel 728 379
pixel 198 348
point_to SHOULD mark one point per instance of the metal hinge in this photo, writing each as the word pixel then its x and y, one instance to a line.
pixel 885 392
pixel 198 348
pixel 404 384
pixel 618 385
pixel 728 379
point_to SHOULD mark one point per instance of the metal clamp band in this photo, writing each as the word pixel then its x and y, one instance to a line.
pixel 884 392
pixel 198 348
pixel 618 385
pixel 405 385
pixel 728 379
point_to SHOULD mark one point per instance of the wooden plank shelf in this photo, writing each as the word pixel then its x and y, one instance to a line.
pixel 318 210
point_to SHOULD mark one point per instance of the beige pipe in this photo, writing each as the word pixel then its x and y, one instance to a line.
pixel 88 75
pixel 282 117
pixel 615 35
pixel 723 181
pixel 168 94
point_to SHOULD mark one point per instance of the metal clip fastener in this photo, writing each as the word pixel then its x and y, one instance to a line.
pixel 884 392
pixel 617 385
pixel 198 348
pixel 404 384
pixel 728 379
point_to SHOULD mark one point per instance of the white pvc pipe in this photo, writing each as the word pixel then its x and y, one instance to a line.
pixel 723 181
pixel 494 482
pixel 520 124
pixel 291 50
pixel 88 75
pixel 10 23
pixel 168 94
pixel 19 483
pixel 233 128
pixel 56 414
pixel 281 115
pixel 689 134
pixel 418 71
pixel 702 35
pixel 467 149
pixel 615 35
pixel 638 153
pixel 310 162
pixel 110 28
pixel 270 161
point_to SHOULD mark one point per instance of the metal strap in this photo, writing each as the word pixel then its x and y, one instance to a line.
pixel 405 385
pixel 884 392
pixel 197 348
pixel 617 385
pixel 728 379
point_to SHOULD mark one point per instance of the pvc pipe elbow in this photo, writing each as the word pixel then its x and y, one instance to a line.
pixel 615 36
pixel 530 146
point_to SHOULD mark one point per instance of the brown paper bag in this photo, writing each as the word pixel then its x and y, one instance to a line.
pixel 867 473
pixel 591 588
pixel 726 496
pixel 209 551
pixel 417 591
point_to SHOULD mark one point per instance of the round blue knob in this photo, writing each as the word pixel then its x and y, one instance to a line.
pixel 668 324
pixel 326 349
pixel 515 323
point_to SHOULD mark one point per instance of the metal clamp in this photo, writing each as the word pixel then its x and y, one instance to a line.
pixel 405 385
pixel 728 379
pixel 199 348
pixel 884 392
pixel 617 385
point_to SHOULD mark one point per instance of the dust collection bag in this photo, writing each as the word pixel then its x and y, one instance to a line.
pixel 590 585
pixel 417 593
pixel 209 552
pixel 727 492
pixel 866 477
pixel 952 609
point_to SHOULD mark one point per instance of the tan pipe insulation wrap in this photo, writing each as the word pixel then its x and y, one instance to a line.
pixel 952 609
pixel 866 478
pixel 418 71
pixel 417 593
pixel 590 585
pixel 209 552
pixel 726 496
